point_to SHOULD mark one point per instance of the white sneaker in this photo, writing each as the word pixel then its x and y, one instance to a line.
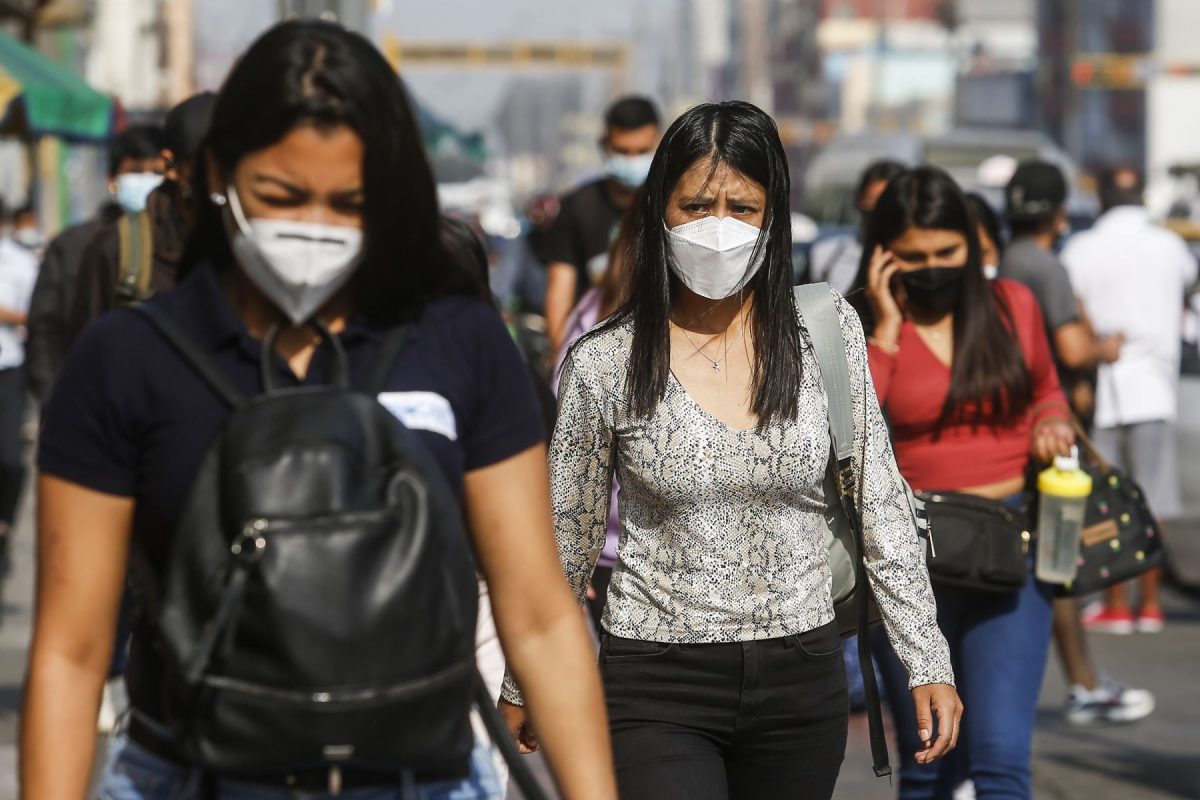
pixel 1108 702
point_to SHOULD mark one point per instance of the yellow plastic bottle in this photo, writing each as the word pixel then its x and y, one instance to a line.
pixel 1064 490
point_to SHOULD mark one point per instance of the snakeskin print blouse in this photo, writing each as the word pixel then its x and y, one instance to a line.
pixel 721 529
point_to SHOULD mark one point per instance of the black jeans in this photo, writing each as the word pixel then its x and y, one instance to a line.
pixel 738 721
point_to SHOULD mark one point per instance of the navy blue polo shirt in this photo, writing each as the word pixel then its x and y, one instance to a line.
pixel 129 417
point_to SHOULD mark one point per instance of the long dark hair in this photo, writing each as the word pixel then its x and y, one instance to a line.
pixel 744 138
pixel 988 219
pixel 307 72
pixel 989 381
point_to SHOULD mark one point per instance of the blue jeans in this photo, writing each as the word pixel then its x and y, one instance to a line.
pixel 854 678
pixel 132 773
pixel 998 646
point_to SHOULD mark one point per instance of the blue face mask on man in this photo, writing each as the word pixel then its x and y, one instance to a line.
pixel 629 171
pixel 133 188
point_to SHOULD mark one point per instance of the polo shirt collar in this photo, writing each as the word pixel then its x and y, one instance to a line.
pixel 214 322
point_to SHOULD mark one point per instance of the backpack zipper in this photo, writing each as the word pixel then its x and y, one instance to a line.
pixel 336 697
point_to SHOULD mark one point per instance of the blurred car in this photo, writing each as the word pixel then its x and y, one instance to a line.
pixel 831 178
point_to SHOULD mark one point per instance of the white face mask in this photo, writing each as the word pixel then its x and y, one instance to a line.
pixel 298 265
pixel 29 238
pixel 715 257
pixel 629 171
pixel 134 188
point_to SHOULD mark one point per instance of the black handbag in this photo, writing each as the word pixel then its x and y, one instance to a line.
pixel 1120 537
pixel 976 543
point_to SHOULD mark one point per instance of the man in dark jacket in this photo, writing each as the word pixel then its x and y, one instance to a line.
pixel 168 216
pixel 134 159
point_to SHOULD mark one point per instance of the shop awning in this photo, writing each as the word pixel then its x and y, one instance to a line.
pixel 54 100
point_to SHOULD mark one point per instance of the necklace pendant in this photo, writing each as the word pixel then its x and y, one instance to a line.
pixel 716 366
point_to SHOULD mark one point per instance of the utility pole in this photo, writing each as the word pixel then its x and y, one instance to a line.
pixel 179 22
pixel 756 80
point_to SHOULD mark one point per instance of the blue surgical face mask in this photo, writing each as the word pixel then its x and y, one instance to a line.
pixel 133 188
pixel 629 171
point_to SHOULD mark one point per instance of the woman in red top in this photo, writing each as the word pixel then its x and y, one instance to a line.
pixel 964 373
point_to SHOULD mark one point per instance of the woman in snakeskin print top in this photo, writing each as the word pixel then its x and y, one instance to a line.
pixel 721 663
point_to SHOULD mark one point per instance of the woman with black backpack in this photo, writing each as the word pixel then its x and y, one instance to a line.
pixel 720 655
pixel 307 599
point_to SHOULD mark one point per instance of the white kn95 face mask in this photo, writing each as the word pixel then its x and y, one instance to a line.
pixel 298 265
pixel 715 257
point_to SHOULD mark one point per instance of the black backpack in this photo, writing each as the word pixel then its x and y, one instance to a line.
pixel 318 607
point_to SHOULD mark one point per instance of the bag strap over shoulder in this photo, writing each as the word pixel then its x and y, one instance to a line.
pixel 816 305
pixel 193 355
pixel 815 302
pixel 135 245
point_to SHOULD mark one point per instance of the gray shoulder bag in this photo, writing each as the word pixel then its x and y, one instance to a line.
pixel 853 605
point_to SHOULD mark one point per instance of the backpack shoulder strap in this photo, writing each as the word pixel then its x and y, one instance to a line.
pixel 816 305
pixel 389 349
pixel 199 361
pixel 136 251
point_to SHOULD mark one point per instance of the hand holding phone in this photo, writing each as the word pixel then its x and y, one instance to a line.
pixel 882 295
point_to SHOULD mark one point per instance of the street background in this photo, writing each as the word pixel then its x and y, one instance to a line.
pixel 510 95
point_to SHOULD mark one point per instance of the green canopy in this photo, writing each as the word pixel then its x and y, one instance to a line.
pixel 56 101
pixel 442 138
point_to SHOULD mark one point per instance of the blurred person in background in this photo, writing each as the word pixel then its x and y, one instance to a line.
pixel 135 167
pixel 1036 199
pixel 835 260
pixel 1133 276
pixel 18 273
pixel 991 235
pixel 965 376
pixel 315 157
pixel 598 304
pixel 27 232
pixel 720 654
pixel 519 280
pixel 576 250
pixel 126 262
pixel 117 253
pixel 1036 207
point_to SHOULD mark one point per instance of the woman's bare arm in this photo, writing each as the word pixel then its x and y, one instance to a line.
pixel 543 632
pixel 83 543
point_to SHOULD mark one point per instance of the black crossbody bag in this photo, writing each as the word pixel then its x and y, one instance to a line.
pixel 976 543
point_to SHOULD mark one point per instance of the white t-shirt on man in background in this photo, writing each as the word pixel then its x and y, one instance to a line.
pixel 1131 276
pixel 18 274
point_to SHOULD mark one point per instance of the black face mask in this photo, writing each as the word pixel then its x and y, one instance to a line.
pixel 933 290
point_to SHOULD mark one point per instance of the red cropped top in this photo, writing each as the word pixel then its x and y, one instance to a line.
pixel 912 385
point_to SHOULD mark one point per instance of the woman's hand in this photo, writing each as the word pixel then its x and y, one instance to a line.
pixel 1051 437
pixel 884 306
pixel 942 700
pixel 519 726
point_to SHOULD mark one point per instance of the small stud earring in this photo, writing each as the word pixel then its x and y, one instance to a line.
pixel 217 198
